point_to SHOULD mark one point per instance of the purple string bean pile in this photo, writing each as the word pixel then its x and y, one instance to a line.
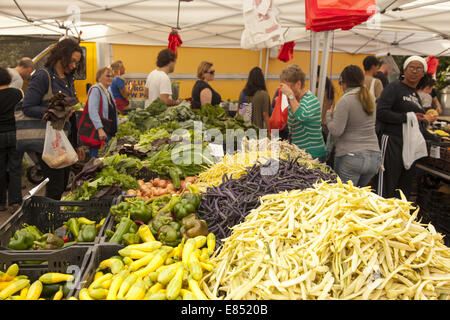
pixel 229 203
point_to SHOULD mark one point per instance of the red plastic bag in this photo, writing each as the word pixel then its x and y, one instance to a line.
pixel 287 51
pixel 432 64
pixel 324 15
pixel 174 41
pixel 278 119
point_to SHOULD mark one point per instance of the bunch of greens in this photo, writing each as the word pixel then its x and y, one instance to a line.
pixel 128 129
pixel 115 144
pixel 108 178
pixel 146 139
pixel 177 162
pixel 124 164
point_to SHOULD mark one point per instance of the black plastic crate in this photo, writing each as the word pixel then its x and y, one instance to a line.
pixel 72 260
pixel 48 214
pixel 441 163
pixel 97 254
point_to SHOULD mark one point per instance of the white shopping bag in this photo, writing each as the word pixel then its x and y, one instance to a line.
pixel 414 144
pixel 58 151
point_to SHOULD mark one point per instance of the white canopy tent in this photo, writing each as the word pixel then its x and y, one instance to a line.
pixel 401 28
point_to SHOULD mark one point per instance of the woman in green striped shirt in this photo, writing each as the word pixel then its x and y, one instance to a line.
pixel 305 116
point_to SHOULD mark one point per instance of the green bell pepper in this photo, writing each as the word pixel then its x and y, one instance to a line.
pixel 88 233
pixel 49 241
pixel 131 238
pixel 33 230
pixel 168 235
pixel 22 240
pixel 192 226
pixel 141 212
pixel 160 220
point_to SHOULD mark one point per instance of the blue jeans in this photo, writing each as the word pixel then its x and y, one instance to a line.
pixel 10 169
pixel 358 167
pixel 93 151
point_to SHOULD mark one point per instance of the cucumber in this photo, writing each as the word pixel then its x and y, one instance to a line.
pixel 49 290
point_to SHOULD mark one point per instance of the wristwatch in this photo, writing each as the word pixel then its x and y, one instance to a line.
pixel 291 97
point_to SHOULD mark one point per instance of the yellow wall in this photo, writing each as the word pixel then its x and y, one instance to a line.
pixel 91 70
pixel 142 59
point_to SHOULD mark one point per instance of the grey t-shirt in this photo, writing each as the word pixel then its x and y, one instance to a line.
pixel 16 79
pixel 353 130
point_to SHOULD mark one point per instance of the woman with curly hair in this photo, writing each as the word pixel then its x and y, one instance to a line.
pixel 64 59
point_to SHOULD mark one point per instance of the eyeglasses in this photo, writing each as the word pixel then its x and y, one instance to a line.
pixel 412 68
pixel 211 72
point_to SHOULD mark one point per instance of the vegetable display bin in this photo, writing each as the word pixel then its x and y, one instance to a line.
pixel 71 260
pixel 97 254
pixel 48 214
pixel 110 223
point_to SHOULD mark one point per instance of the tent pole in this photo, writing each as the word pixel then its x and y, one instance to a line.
pixel 266 67
pixel 324 67
pixel 314 61
pixel 260 58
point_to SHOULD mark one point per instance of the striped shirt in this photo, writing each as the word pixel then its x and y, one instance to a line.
pixel 305 126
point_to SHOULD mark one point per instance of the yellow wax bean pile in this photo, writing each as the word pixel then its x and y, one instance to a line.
pixel 335 241
pixel 231 164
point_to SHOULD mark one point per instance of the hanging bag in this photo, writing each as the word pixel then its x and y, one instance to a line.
pixel 30 132
pixel 278 119
pixel 86 129
pixel 58 151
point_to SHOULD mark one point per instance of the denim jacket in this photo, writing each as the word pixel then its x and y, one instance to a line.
pixel 34 107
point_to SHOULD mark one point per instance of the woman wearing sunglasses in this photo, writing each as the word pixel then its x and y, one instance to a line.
pixel 352 126
pixel 396 100
pixel 202 92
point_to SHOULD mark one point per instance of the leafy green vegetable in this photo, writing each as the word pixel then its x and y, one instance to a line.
pixel 128 129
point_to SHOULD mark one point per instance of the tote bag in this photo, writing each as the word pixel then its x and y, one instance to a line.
pixel 30 132
pixel 86 129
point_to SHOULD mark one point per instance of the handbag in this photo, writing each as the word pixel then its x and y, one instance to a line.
pixel 30 132
pixel 86 129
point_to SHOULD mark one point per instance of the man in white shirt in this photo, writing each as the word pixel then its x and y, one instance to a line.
pixel 21 72
pixel 158 84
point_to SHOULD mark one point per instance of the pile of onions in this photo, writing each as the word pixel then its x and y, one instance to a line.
pixel 158 187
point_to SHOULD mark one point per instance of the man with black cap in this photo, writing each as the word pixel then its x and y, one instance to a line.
pixel 371 65
pixel 397 99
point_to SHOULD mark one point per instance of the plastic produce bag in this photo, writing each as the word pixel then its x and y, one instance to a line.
pixel 245 110
pixel 58 151
pixel 414 144
pixel 278 119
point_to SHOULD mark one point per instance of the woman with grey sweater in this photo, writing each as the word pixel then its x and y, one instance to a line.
pixel 352 126
pixel 100 97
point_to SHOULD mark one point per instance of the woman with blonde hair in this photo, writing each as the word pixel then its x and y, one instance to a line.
pixel 202 92
pixel 352 126
pixel 99 98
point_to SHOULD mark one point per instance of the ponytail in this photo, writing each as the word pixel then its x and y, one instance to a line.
pixel 366 100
